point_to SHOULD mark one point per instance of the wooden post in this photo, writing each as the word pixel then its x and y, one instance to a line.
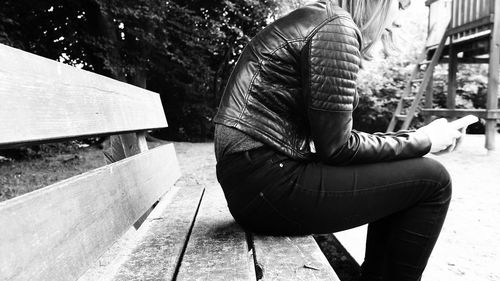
pixel 452 77
pixel 492 98
pixel 429 97
pixel 134 143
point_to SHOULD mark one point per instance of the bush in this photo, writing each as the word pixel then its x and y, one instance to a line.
pixel 381 84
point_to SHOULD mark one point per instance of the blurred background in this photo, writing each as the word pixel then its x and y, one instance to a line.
pixel 185 51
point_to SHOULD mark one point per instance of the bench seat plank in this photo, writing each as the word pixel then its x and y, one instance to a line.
pixel 217 248
pixel 291 258
pixel 46 100
pixel 55 233
pixel 160 248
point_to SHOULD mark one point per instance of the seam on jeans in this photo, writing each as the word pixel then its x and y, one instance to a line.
pixel 434 219
pixel 420 234
pixel 243 211
pixel 300 187
pixel 280 214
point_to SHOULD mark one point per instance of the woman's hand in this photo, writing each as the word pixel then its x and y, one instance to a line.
pixel 442 135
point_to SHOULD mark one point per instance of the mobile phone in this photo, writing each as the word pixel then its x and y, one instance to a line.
pixel 464 122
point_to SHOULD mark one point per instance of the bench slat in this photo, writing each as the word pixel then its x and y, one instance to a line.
pixel 158 252
pixel 217 249
pixel 55 233
pixel 291 258
pixel 46 100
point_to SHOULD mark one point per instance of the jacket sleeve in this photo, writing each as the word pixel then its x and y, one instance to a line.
pixel 332 60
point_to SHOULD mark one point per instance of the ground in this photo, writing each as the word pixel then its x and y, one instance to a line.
pixel 468 248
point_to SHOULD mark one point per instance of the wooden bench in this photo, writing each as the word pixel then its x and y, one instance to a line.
pixel 82 228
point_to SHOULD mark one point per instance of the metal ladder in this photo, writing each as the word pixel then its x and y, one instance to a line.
pixel 403 113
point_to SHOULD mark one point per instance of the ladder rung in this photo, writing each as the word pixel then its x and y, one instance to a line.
pixel 425 62
pixel 401 116
pixel 409 98
pixel 417 80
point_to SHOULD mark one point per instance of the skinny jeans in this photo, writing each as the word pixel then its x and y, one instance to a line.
pixel 404 203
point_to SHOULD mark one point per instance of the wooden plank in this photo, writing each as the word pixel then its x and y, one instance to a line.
pixel 46 100
pixel 481 113
pixel 134 143
pixel 429 72
pixel 160 249
pixel 454 17
pixel 291 258
pixel 125 145
pixel 55 233
pixel 461 12
pixel 474 10
pixel 440 14
pixel 465 27
pixel 217 249
pixel 465 11
pixel 407 91
pixel 488 6
pixel 108 264
pixel 429 98
pixel 452 78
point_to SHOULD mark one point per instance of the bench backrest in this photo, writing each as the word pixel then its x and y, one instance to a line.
pixel 56 232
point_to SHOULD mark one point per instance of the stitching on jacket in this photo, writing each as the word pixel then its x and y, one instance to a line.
pixel 329 110
pixel 338 94
pixel 345 50
pixel 323 23
pixel 333 106
pixel 335 32
pixel 336 58
pixel 348 75
pixel 334 78
pixel 348 68
pixel 344 66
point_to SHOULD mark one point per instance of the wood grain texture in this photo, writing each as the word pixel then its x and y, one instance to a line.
pixel 481 113
pixel 55 233
pixel 134 143
pixel 159 251
pixel 493 80
pixel 429 72
pixel 217 249
pixel 45 100
pixel 291 258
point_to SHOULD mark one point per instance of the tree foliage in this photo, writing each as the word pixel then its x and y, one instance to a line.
pixel 186 49
pixel 182 49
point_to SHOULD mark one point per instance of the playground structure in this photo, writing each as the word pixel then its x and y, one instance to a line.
pixel 459 31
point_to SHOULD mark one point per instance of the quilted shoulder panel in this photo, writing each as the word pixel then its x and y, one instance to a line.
pixel 334 58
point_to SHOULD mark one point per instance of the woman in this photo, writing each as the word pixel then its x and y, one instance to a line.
pixel 289 161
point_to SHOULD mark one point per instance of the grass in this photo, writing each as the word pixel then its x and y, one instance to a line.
pixel 19 176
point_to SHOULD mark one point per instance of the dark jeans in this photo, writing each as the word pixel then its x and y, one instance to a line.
pixel 405 203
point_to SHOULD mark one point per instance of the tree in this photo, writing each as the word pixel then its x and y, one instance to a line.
pixel 184 50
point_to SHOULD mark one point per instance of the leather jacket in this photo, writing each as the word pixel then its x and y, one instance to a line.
pixel 294 89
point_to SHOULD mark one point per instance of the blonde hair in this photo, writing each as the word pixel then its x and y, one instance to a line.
pixel 371 16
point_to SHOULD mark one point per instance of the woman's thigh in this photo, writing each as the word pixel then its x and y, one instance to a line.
pixel 268 192
pixel 329 199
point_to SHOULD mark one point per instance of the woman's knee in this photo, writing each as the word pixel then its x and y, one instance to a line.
pixel 438 174
pixel 436 171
